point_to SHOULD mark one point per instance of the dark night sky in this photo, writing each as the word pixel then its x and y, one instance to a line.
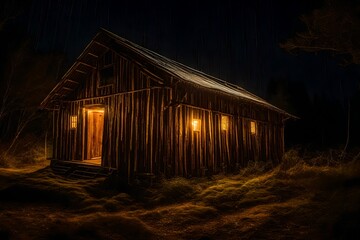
pixel 237 41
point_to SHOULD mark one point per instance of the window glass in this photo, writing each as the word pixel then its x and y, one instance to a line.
pixel 106 76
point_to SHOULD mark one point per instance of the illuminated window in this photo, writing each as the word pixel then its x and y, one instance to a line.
pixel 73 122
pixel 224 123
pixel 196 125
pixel 253 127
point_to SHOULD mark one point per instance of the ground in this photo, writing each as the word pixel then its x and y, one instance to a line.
pixel 295 200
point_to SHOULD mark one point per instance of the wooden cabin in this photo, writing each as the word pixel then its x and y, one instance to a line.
pixel 125 107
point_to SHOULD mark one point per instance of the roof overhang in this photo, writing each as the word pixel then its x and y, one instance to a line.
pixel 105 40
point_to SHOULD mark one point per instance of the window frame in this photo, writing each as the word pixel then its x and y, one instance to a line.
pixel 73 122
pixel 103 65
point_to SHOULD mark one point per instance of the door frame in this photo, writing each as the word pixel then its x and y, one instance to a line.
pixel 85 110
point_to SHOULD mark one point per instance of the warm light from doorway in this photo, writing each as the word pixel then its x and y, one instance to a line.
pixel 95 110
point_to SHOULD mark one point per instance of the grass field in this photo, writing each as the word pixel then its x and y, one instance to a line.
pixel 300 199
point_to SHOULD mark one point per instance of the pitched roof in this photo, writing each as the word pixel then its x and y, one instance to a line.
pixel 101 43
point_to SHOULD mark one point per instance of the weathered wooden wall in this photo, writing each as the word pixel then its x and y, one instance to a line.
pixel 213 150
pixel 147 125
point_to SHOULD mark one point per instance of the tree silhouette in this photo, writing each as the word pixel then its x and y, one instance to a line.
pixel 26 76
pixel 334 28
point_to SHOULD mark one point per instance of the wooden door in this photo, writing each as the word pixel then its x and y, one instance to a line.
pixel 95 127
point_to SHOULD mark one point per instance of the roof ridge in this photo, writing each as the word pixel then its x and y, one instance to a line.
pixel 173 67
pixel 165 62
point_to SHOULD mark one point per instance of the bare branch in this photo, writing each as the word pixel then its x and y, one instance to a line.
pixel 290 47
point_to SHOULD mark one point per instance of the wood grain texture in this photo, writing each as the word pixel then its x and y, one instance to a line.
pixel 147 125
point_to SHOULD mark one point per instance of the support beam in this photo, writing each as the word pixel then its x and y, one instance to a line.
pixel 67 89
pixel 93 55
pixel 77 70
pixel 71 81
pixel 86 64
pixel 100 44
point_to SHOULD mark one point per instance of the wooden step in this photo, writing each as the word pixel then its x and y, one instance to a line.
pixel 78 170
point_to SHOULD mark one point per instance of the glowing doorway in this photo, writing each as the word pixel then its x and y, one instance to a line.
pixel 94 128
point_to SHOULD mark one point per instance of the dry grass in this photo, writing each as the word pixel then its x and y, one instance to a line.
pixel 101 226
pixel 300 199
pixel 28 151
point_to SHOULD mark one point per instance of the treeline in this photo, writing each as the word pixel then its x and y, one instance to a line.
pixel 26 76
pixel 323 120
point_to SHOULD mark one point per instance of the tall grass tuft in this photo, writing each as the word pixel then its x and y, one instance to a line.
pixel 29 151
pixel 175 190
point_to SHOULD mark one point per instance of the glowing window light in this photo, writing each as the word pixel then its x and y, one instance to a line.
pixel 196 125
pixel 224 123
pixel 73 122
pixel 253 127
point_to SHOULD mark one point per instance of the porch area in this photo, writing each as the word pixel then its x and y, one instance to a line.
pixel 87 169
